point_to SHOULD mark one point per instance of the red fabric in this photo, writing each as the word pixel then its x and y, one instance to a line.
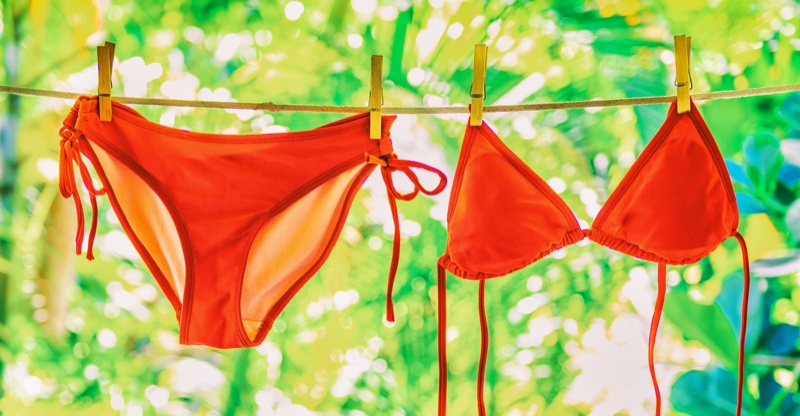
pixel 674 206
pixel 390 164
pixel 502 216
pixel 220 191
pixel 71 150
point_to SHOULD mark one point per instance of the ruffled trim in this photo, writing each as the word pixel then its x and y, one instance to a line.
pixel 570 237
pixel 71 119
pixel 616 243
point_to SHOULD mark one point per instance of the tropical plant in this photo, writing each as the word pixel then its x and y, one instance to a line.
pixel 568 334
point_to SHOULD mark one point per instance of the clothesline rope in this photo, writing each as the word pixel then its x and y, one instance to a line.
pixel 269 106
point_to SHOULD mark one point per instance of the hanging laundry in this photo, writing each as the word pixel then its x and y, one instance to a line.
pixel 230 226
pixel 675 206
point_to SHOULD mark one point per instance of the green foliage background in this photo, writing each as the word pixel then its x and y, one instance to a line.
pixel 94 338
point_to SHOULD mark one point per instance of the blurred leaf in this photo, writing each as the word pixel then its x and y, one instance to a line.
pixel 762 154
pixel 762 228
pixel 793 220
pixel 704 323
pixel 776 266
pixel 16 407
pixel 768 388
pixel 730 300
pixel 736 170
pixel 718 115
pixel 790 111
pixel 748 205
pixel 782 339
pixel 711 392
pixel 790 148
pixel 789 174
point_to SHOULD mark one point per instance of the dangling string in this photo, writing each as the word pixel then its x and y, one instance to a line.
pixel 662 289
pixel 484 346
pixel 442 338
pixel 71 152
pixel 389 164
pixel 745 296
pixel 395 256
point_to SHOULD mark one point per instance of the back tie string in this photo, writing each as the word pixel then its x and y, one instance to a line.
pixel 390 164
pixel 742 335
pixel 662 289
pixel 442 338
pixel 72 151
pixel 484 345
pixel 442 341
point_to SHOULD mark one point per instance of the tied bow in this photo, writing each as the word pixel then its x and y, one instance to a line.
pixel 71 152
pixel 390 164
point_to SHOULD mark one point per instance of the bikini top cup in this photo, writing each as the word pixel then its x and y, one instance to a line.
pixel 674 206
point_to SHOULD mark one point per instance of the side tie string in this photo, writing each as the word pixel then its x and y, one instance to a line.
pixel 484 346
pixel 390 164
pixel 442 338
pixel 742 335
pixel 662 289
pixel 72 142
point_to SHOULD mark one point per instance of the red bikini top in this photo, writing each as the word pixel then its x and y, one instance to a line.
pixel 674 206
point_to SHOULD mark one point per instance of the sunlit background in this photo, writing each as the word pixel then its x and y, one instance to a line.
pixel 568 334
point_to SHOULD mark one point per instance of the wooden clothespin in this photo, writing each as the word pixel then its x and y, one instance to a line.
pixel 683 79
pixel 375 97
pixel 478 90
pixel 105 59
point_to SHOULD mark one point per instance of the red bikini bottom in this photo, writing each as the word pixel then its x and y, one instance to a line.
pixel 231 226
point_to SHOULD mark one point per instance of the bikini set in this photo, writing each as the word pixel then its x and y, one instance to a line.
pixel 230 268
